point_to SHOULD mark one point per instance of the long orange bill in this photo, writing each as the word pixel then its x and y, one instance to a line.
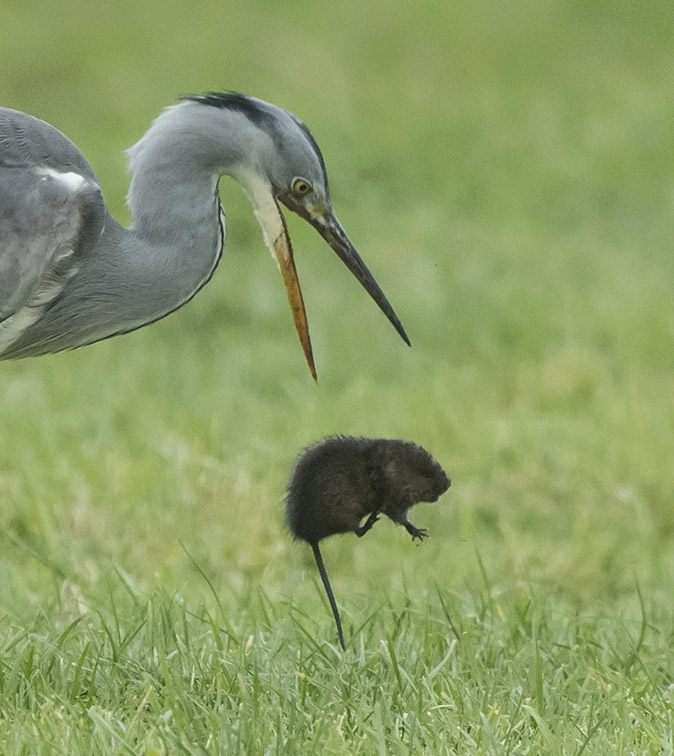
pixel 283 252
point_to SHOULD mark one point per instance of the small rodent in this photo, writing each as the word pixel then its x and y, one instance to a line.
pixel 339 481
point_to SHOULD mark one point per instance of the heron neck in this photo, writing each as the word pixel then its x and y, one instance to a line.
pixel 175 240
pixel 171 248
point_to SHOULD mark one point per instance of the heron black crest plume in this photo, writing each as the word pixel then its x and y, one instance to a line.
pixel 249 106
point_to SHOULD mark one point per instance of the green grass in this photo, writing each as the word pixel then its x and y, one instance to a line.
pixel 506 172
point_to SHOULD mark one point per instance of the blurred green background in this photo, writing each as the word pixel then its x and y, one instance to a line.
pixel 506 172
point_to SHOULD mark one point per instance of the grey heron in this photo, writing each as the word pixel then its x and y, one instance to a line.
pixel 71 275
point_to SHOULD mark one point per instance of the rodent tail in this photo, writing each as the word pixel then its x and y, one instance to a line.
pixel 331 597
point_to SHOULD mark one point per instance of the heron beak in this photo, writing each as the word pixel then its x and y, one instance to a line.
pixel 327 225
pixel 275 232
pixel 283 253
pixel 271 220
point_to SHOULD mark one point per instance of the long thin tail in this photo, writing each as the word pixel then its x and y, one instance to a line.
pixel 328 590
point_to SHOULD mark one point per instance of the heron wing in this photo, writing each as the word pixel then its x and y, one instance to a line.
pixel 51 212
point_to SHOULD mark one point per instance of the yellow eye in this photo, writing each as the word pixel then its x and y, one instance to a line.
pixel 301 186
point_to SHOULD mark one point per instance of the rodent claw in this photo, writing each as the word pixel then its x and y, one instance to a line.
pixel 419 533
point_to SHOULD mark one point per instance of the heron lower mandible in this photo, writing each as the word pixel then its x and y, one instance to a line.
pixel 71 275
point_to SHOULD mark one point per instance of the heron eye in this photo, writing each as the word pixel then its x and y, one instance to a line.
pixel 300 186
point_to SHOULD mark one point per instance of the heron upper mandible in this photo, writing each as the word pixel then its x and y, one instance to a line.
pixel 71 275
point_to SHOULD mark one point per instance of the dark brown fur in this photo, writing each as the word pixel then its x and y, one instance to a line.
pixel 338 482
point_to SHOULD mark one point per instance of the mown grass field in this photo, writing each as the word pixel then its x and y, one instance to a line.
pixel 506 172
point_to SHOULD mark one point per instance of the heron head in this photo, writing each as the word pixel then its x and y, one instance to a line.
pixel 283 164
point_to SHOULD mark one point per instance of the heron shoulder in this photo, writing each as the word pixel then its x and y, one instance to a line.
pixel 27 141
pixel 50 221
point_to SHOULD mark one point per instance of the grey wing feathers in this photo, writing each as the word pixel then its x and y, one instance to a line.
pixel 51 211
pixel 41 224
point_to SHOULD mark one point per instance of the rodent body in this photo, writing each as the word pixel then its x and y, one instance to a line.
pixel 338 482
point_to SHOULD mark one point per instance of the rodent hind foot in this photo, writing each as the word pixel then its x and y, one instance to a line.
pixel 420 533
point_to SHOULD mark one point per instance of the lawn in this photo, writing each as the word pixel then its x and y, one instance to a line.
pixel 506 172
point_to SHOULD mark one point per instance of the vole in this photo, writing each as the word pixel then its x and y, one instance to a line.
pixel 337 482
